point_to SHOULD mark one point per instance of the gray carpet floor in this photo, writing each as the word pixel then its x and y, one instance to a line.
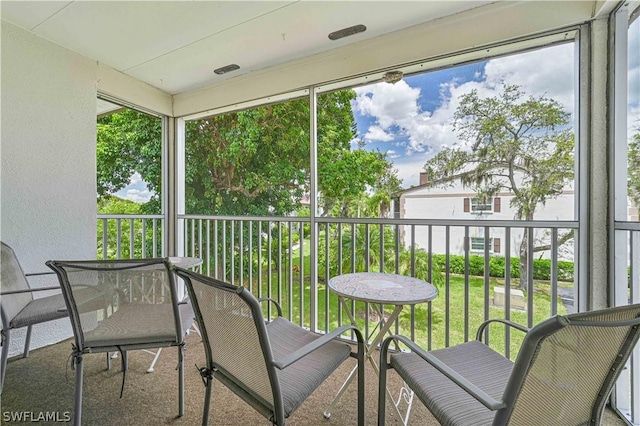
pixel 45 383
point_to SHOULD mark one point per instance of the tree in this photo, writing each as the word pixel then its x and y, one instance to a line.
pixel 510 142
pixel 633 174
pixel 258 161
pixel 345 176
pixel 250 162
pixel 383 191
pixel 127 142
pixel 254 162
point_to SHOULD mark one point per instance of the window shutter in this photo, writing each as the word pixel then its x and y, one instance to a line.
pixel 467 205
pixel 496 204
pixel 496 245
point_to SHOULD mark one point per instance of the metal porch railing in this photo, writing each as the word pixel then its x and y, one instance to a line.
pixel 274 256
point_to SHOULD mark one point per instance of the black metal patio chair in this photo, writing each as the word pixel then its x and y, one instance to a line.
pixel 18 308
pixel 120 305
pixel 273 366
pixel 563 374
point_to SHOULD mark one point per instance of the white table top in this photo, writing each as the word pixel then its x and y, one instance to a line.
pixel 377 287
pixel 185 262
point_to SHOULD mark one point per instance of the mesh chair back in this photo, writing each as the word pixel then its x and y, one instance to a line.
pixel 567 365
pixel 234 333
pixel 13 279
pixel 120 302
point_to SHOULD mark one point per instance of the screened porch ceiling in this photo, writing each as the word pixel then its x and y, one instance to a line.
pixel 175 46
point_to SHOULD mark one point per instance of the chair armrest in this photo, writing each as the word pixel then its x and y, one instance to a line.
pixel 484 325
pixel 28 290
pixel 480 395
pixel 275 302
pixel 35 274
pixel 289 359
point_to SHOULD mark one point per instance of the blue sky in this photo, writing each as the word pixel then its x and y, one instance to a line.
pixel 429 100
pixel 412 119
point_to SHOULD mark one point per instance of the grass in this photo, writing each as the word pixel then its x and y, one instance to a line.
pixel 440 323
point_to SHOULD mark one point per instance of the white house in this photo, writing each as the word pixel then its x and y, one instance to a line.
pixel 460 203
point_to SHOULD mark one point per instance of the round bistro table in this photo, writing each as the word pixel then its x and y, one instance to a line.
pixel 379 289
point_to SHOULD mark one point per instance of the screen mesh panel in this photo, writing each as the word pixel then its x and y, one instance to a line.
pixel 569 366
pixel 13 279
pixel 233 337
pixel 121 303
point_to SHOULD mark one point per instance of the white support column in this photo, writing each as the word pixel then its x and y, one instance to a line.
pixel 618 126
pixel 178 186
pixel 168 177
pixel 313 208
pixel 598 255
pixel 582 165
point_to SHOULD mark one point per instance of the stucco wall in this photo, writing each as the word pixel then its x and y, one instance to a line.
pixel 47 166
pixel 448 203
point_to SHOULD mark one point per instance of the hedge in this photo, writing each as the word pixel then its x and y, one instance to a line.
pixel 541 267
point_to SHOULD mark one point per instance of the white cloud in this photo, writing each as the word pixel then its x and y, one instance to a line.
pixel 633 119
pixel 135 179
pixel 377 133
pixel 396 110
pixel 634 86
pixel 409 169
pixel 388 103
pixel 392 154
pixel 547 72
pixel 633 78
pixel 136 191
pixel 137 195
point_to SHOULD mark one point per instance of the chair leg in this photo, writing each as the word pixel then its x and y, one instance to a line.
pixel 77 416
pixel 180 380
pixel 125 361
pixel 108 361
pixel 155 359
pixel 5 355
pixel 27 343
pixel 361 365
pixel 382 383
pixel 207 402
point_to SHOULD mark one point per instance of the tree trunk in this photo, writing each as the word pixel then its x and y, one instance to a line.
pixel 524 255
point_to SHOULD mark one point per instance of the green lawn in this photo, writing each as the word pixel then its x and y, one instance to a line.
pixel 434 337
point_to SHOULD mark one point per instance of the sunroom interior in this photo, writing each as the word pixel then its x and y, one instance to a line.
pixel 66 63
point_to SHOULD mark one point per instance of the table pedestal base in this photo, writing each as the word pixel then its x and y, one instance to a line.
pixel 406 394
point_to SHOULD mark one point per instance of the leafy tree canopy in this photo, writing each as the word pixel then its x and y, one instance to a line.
pixel 252 162
pixel 110 204
pixel 127 142
pixel 511 142
pixel 258 161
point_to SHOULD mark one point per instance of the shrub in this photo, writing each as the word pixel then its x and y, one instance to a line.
pixel 541 267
